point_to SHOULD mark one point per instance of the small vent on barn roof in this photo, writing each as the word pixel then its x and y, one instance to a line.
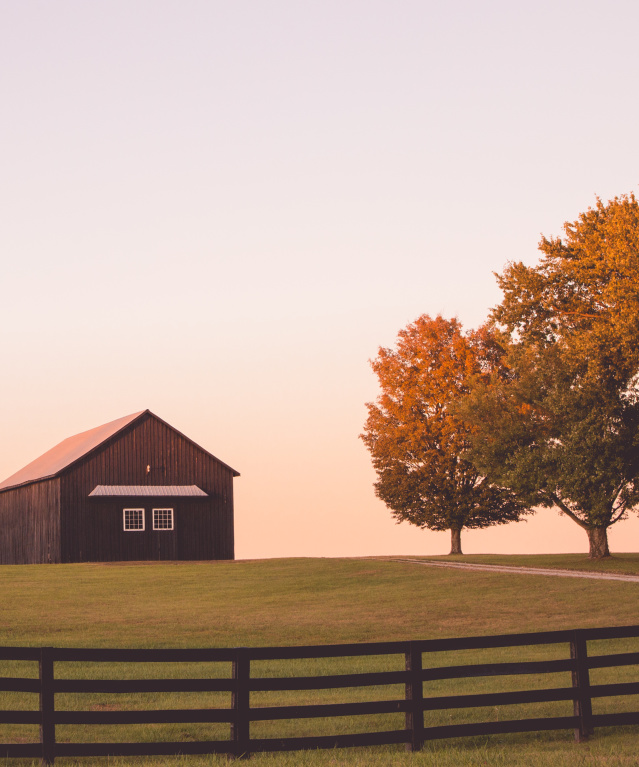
pixel 172 491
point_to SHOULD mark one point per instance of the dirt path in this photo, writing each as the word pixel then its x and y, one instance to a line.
pixel 520 570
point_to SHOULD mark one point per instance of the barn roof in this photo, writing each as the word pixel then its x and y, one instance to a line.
pixel 151 491
pixel 73 448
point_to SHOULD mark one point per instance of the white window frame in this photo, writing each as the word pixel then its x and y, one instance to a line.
pixel 172 520
pixel 132 529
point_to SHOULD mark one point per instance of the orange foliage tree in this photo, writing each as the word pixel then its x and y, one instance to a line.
pixel 418 446
pixel 561 429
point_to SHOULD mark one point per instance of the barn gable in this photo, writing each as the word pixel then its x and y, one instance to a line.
pixel 67 452
pixel 135 468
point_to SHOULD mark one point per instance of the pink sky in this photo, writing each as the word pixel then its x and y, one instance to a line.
pixel 219 211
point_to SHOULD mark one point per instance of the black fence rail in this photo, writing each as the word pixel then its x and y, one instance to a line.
pixel 241 684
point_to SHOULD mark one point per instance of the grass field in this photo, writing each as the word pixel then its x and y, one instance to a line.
pixel 309 601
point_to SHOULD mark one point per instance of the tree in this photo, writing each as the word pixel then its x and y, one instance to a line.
pixel 561 428
pixel 418 446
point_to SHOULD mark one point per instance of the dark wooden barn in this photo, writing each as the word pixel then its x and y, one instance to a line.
pixel 132 489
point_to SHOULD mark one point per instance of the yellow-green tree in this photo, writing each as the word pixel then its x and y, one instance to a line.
pixel 418 446
pixel 561 428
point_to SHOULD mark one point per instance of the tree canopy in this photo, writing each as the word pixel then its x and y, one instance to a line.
pixel 561 426
pixel 584 293
pixel 418 445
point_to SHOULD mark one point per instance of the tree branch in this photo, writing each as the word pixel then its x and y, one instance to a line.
pixel 618 517
pixel 624 508
pixel 582 315
pixel 621 507
pixel 558 502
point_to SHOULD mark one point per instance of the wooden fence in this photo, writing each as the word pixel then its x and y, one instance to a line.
pixel 241 683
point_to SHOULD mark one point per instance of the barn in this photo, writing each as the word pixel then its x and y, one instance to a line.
pixel 132 489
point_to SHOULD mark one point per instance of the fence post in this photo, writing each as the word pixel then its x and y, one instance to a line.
pixel 582 704
pixel 240 702
pixel 415 697
pixel 47 706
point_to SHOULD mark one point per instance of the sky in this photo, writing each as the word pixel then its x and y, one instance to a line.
pixel 221 210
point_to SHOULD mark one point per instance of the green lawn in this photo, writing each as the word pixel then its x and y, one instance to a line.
pixel 309 601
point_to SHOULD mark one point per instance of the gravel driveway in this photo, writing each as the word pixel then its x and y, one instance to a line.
pixel 520 570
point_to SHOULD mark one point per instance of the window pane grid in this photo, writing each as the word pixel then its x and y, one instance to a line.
pixel 134 519
pixel 163 519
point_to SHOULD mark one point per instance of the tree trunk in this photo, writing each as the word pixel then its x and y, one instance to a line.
pixel 598 540
pixel 455 540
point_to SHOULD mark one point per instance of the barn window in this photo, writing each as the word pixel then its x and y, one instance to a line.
pixel 163 519
pixel 134 519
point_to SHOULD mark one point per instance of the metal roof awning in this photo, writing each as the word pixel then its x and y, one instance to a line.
pixel 155 491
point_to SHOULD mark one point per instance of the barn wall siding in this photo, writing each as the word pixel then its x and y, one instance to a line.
pixel 91 529
pixel 192 537
pixel 30 524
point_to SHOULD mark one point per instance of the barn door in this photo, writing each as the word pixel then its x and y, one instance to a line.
pixel 164 533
